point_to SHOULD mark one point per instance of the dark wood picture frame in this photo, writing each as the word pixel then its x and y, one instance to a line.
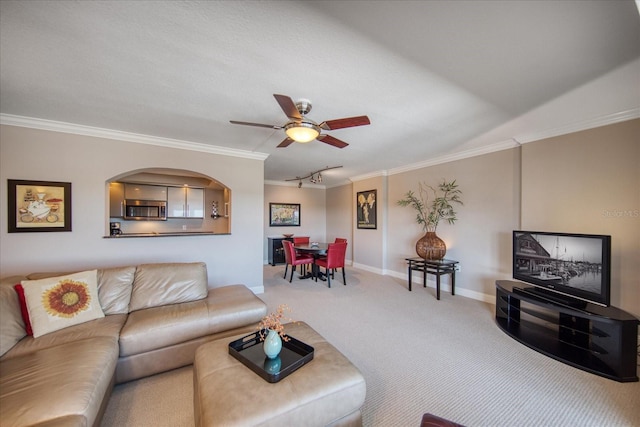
pixel 366 206
pixel 284 214
pixel 36 206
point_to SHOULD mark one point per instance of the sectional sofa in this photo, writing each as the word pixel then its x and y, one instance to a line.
pixel 146 319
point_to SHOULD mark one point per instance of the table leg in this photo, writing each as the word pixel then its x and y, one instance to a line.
pixel 453 282
pixel 409 276
pixel 424 277
pixel 438 286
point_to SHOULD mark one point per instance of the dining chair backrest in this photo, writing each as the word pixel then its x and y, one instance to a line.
pixel 335 255
pixel 288 251
pixel 340 240
pixel 301 240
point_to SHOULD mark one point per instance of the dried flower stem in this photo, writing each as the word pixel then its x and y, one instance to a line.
pixel 274 320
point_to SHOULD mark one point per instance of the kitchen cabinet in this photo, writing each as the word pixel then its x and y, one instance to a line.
pixel 185 202
pixel 145 192
pixel 116 200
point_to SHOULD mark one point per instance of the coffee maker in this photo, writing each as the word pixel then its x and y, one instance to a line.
pixel 115 229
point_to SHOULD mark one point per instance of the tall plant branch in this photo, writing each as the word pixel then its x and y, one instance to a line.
pixel 434 204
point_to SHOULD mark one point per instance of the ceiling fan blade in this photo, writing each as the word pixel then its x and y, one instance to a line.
pixel 235 122
pixel 345 123
pixel 285 143
pixel 288 106
pixel 328 139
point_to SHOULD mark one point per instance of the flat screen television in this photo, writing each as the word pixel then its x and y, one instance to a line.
pixel 574 268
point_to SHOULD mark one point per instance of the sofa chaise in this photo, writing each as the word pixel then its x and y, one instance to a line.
pixel 151 318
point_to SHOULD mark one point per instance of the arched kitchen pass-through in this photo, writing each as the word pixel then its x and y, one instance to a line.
pixel 157 202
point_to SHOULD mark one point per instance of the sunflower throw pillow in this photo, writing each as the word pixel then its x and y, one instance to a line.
pixel 59 302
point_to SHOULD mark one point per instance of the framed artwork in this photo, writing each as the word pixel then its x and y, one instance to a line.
pixel 284 214
pixel 39 206
pixel 366 208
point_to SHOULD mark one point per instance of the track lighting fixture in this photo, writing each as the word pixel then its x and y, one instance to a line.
pixel 315 177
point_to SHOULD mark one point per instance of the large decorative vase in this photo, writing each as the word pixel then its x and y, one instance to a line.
pixel 430 246
pixel 272 344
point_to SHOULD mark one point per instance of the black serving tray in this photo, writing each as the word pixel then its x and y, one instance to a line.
pixel 293 355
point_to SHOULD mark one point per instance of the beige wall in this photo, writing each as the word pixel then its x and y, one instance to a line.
pixel 88 162
pixel 313 222
pixel 589 182
pixel 481 238
pixel 340 214
pixel 585 182
pixel 369 245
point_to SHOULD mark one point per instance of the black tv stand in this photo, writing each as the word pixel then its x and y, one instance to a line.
pixel 600 340
pixel 544 295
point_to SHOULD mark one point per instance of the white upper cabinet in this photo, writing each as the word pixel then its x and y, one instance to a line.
pixel 185 202
pixel 145 192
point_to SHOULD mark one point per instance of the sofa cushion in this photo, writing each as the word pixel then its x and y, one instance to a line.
pixel 224 308
pixel 163 326
pixel 114 289
pixel 12 327
pixel 161 284
pixel 59 302
pixel 63 383
pixel 108 326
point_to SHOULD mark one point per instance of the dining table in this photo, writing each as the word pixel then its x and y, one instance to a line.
pixel 316 250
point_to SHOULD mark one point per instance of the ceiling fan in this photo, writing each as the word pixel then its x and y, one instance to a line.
pixel 301 129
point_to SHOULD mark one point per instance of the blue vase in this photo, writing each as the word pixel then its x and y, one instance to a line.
pixel 272 344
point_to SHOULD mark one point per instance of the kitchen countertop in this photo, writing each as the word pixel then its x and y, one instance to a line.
pixel 166 234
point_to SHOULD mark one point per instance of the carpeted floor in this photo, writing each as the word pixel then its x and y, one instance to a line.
pixel 417 355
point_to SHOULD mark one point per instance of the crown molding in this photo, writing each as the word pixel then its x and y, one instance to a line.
pixel 605 120
pixel 516 141
pixel 362 177
pixel 503 145
pixel 54 126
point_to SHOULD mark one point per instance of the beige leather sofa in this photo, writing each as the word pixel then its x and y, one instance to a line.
pixel 156 315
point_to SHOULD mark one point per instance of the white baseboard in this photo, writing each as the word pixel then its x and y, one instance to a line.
pixel 417 281
pixel 431 283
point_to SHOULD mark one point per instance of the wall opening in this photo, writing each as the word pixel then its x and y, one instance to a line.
pixel 163 201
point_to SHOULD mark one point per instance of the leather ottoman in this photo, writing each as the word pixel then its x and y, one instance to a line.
pixel 327 391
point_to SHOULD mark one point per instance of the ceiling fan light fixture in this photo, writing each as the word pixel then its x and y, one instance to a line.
pixel 302 132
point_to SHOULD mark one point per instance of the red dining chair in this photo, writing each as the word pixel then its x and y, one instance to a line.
pixel 334 260
pixel 302 240
pixel 338 240
pixel 293 259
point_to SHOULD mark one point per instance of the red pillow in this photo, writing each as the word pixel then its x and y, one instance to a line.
pixel 23 308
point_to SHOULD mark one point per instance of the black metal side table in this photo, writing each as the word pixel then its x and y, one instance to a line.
pixel 435 267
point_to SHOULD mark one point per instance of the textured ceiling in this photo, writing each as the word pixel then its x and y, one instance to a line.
pixel 435 77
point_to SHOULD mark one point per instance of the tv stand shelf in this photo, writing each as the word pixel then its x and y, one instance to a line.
pixel 600 340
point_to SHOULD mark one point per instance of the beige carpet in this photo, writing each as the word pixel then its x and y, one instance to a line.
pixel 418 355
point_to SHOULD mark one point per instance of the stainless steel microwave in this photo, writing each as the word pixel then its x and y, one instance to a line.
pixel 145 210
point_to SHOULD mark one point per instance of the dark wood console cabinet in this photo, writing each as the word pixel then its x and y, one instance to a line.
pixel 276 251
pixel 600 340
